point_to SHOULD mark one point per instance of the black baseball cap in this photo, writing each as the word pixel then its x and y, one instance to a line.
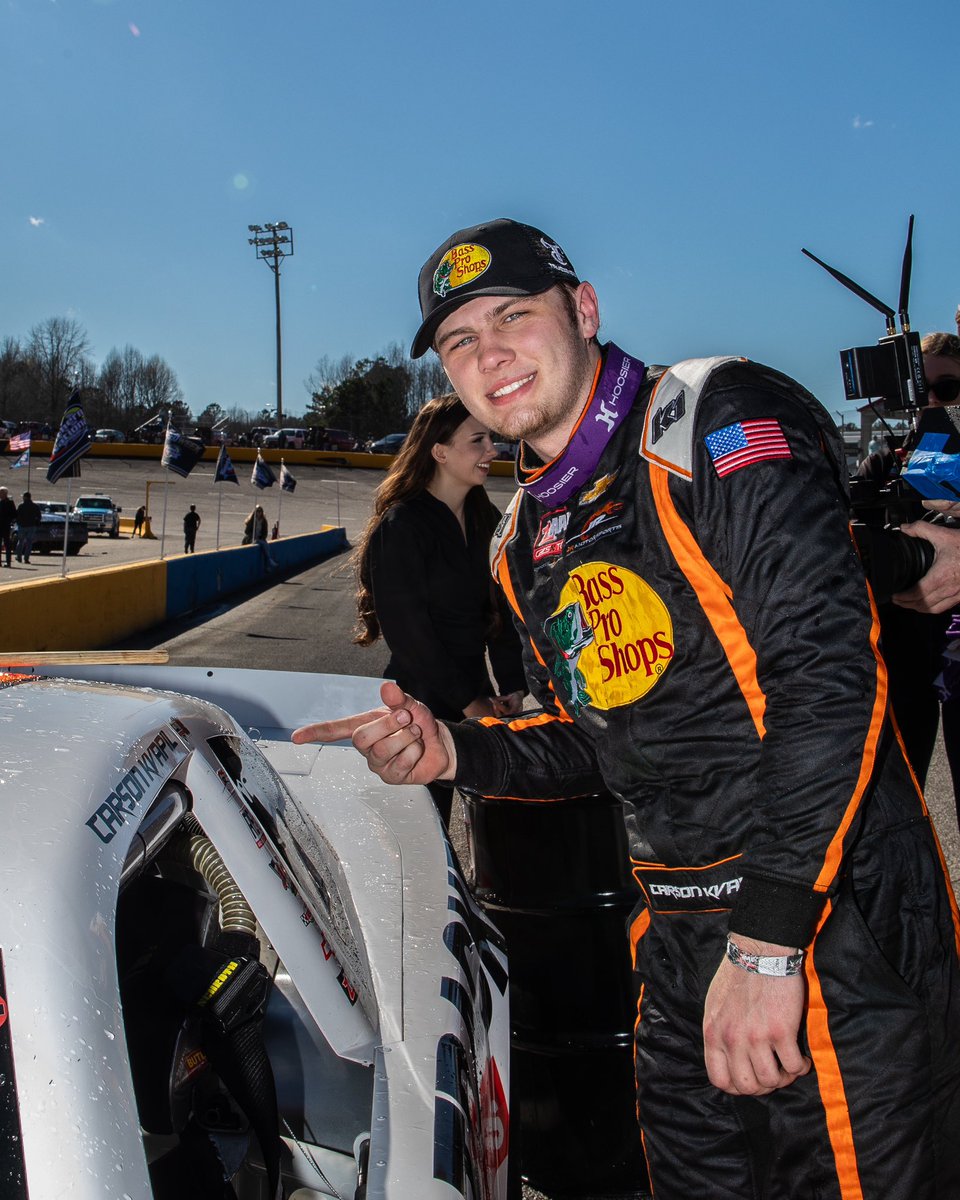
pixel 498 258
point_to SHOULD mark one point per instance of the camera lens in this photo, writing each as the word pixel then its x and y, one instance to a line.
pixel 892 561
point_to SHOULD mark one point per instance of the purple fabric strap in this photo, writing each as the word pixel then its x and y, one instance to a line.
pixel 573 467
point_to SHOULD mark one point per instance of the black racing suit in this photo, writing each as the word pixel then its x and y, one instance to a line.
pixel 703 644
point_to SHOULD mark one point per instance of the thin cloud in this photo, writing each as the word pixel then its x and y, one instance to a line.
pixel 36 221
pixel 861 123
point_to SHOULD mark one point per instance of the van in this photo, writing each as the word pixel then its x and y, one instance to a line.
pixel 286 439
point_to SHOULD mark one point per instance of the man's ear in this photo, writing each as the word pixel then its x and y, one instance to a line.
pixel 588 310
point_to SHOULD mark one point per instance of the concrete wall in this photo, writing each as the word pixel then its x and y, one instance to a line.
pixel 194 580
pixel 92 609
pixel 85 610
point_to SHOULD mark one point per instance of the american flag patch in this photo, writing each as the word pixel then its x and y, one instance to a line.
pixel 744 443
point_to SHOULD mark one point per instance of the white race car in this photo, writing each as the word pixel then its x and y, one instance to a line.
pixel 231 966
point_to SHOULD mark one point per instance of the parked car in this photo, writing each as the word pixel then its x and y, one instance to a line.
pixel 338 439
pixel 389 444
pixel 259 432
pixel 506 451
pixel 109 435
pixel 287 438
pixel 50 534
pixel 100 514
pixel 213 941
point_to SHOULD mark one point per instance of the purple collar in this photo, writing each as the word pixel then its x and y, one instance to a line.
pixel 612 399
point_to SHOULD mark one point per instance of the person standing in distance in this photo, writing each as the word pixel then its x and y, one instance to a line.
pixel 191 523
pixel 423 574
pixel 8 514
pixel 703 644
pixel 29 519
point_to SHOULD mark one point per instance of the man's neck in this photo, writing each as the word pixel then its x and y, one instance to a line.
pixel 553 441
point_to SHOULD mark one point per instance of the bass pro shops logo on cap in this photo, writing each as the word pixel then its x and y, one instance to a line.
pixel 461 264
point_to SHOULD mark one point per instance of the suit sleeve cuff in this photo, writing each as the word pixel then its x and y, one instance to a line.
pixel 774 911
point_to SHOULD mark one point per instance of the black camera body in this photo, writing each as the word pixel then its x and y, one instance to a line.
pixel 893 368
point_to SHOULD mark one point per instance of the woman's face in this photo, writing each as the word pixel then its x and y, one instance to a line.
pixel 466 458
pixel 943 376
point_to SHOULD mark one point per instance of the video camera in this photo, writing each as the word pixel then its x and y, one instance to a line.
pixel 893 369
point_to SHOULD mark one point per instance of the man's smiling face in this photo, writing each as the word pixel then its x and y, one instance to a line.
pixel 524 365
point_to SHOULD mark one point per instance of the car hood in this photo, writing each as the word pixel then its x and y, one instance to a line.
pixel 350 880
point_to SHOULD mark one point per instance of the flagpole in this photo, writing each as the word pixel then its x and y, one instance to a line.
pixel 280 497
pixel 166 488
pixel 219 502
pixel 163 526
pixel 66 531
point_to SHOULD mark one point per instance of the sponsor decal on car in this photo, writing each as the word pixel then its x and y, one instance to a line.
pixel 471 1117
pixel 8 679
pixel 150 766
pixel 13 1170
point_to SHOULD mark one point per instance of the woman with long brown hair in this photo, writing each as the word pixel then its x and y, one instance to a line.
pixel 423 574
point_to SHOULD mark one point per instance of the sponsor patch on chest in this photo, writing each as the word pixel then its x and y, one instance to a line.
pixel 612 636
pixel 549 540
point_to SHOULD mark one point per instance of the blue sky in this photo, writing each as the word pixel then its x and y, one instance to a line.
pixel 680 153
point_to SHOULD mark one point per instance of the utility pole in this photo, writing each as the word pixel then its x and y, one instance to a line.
pixel 273 242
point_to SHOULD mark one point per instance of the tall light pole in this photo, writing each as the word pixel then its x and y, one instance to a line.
pixel 273 243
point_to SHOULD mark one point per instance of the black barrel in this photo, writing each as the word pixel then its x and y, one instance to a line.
pixel 554 877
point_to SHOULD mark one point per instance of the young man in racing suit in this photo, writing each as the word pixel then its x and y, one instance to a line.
pixel 702 643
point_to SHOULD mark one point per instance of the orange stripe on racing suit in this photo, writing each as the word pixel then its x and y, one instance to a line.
pixel 830 1079
pixel 714 596
pixel 831 862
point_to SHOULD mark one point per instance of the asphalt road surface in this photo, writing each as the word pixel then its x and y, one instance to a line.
pixel 304 622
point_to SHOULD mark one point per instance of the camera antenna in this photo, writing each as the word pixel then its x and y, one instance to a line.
pixel 905 278
pixel 862 292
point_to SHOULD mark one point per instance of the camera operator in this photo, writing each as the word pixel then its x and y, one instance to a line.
pixel 933 604
pixel 939 589
pixel 912 642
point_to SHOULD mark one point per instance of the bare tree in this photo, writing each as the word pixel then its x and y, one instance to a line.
pixel 329 373
pixel 18 382
pixel 135 388
pixel 161 389
pixel 427 379
pixel 58 347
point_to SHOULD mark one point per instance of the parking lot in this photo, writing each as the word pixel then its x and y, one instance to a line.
pixel 324 496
